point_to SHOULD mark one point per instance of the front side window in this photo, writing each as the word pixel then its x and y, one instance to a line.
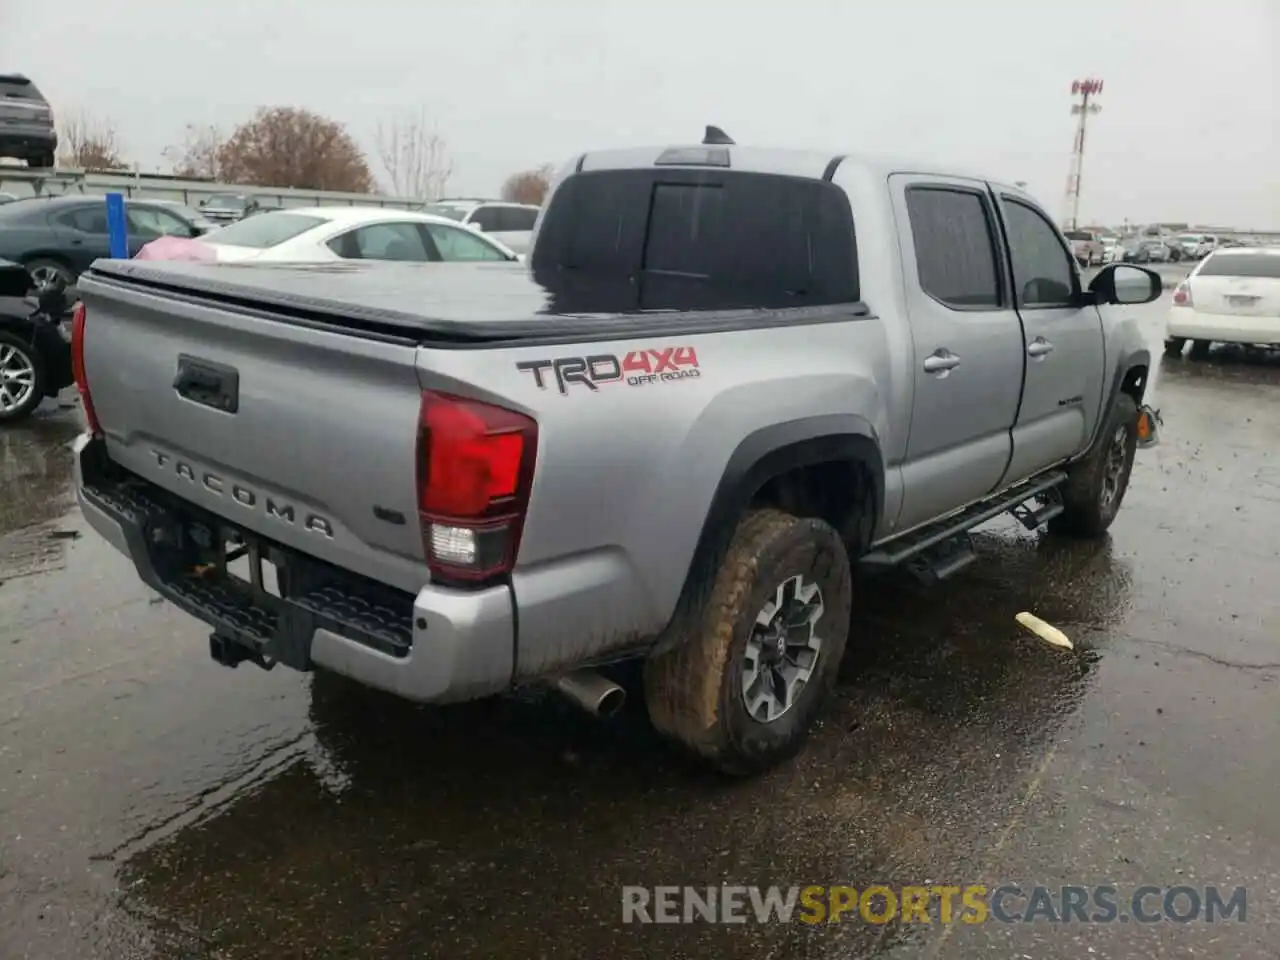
pixel 161 223
pixel 458 244
pixel 955 247
pixel 1043 272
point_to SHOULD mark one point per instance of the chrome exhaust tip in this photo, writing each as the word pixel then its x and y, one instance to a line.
pixel 594 693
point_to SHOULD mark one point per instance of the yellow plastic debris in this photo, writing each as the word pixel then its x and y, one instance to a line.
pixel 1046 632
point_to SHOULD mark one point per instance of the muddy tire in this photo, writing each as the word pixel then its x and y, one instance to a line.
pixel 1200 349
pixel 1095 487
pixel 754 667
pixel 1173 346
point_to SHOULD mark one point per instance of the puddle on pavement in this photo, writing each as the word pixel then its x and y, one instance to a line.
pixel 508 827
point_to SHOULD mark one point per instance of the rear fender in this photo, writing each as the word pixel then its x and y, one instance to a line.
pixel 769 452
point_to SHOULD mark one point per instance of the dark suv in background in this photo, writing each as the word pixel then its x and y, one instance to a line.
pixel 26 122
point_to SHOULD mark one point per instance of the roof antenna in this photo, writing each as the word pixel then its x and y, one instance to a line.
pixel 716 136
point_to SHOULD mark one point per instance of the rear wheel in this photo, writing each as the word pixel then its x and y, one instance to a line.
pixel 43 160
pixel 22 378
pixel 1173 346
pixel 1096 485
pixel 1199 349
pixel 746 683
pixel 44 272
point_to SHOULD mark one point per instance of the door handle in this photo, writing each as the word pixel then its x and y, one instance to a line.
pixel 1039 347
pixel 941 361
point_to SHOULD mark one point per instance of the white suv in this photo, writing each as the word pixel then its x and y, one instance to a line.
pixel 509 223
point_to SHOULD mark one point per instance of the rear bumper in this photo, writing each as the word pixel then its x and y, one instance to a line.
pixel 1222 327
pixel 27 139
pixel 437 646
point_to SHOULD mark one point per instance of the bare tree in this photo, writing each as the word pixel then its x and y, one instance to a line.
pixel 198 154
pixel 528 186
pixel 89 142
pixel 415 157
pixel 293 147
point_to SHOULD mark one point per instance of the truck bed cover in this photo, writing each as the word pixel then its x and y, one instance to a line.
pixel 456 304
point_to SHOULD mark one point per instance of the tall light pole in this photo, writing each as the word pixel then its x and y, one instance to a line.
pixel 1082 106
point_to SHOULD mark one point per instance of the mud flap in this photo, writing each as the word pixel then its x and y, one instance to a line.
pixel 1149 424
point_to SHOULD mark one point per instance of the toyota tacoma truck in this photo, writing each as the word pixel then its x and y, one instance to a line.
pixel 726 379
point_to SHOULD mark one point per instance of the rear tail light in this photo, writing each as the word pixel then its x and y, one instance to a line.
pixel 77 369
pixel 1182 295
pixel 475 471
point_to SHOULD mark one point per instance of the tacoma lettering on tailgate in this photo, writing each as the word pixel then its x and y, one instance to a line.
pixel 247 497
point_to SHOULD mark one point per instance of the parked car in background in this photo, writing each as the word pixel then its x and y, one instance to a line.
pixel 35 343
pixel 56 238
pixel 1194 246
pixel 308 235
pixel 1232 296
pixel 1149 250
pixel 26 122
pixel 1086 246
pixel 229 207
pixel 1112 248
pixel 510 223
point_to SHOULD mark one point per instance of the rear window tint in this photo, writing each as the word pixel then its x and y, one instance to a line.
pixel 1266 265
pixel 689 240
pixel 263 231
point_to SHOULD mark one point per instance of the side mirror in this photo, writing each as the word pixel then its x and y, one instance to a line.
pixel 1125 284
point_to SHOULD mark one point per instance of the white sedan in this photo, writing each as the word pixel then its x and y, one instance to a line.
pixel 1232 296
pixel 319 234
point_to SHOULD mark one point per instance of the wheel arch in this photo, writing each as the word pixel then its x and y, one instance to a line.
pixel 764 468
pixel 1132 376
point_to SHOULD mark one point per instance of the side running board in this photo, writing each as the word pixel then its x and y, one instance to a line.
pixel 936 551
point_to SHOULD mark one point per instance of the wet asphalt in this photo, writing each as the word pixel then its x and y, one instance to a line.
pixel 155 805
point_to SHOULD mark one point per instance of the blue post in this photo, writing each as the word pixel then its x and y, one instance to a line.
pixel 117 228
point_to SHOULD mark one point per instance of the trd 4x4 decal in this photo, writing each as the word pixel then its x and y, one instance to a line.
pixel 636 369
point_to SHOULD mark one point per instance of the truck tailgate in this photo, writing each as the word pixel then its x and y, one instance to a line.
pixel 303 435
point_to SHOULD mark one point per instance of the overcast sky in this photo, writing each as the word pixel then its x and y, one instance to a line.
pixel 1189 128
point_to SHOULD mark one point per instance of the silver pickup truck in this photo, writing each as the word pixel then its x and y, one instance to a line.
pixel 725 378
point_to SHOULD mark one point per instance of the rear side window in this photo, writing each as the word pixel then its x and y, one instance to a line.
pixel 86 219
pixel 955 247
pixel 688 240
pixel 383 241
pixel 1261 265
pixel 517 219
pixel 263 231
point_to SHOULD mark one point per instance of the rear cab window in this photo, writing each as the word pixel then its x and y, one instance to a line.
pixel 264 231
pixel 690 239
pixel 1263 266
